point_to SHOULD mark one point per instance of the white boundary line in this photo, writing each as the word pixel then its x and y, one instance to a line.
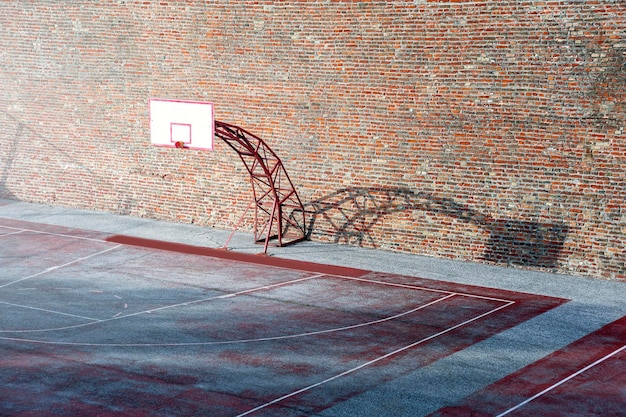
pixel 561 382
pixel 373 361
pixel 227 342
pixel 344 373
pixel 52 268
pixel 416 287
pixel 45 311
pixel 22 230
pixel 10 234
pixel 243 292
pixel 42 232
pixel 153 310
pixel 450 294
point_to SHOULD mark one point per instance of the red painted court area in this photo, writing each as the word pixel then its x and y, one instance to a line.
pixel 587 378
pixel 92 324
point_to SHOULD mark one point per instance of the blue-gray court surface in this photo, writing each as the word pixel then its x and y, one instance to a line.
pixel 107 315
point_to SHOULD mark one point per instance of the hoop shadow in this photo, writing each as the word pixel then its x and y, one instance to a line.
pixel 350 215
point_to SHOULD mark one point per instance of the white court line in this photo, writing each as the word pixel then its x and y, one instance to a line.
pixel 416 287
pixel 235 341
pixel 561 382
pixel 224 296
pixel 52 268
pixel 12 233
pixel 22 230
pixel 47 311
pixel 187 303
pixel 373 361
pixel 217 297
pixel 297 392
pixel 312 386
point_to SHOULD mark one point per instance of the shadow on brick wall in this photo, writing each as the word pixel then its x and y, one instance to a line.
pixel 350 215
pixel 8 155
pixel 17 140
pixel 4 192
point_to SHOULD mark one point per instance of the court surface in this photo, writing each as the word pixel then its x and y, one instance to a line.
pixel 586 378
pixel 96 322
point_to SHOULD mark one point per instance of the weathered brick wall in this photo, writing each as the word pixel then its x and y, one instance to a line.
pixel 482 130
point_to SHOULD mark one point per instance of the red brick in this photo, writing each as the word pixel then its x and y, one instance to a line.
pixel 511 111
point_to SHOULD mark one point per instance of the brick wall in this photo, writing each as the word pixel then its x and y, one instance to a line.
pixel 490 131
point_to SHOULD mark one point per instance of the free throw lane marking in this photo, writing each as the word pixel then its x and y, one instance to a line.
pixel 373 361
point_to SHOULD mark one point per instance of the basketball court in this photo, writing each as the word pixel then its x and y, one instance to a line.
pixel 96 323
pixel 106 320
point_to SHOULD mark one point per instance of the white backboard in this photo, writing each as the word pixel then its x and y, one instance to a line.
pixel 187 123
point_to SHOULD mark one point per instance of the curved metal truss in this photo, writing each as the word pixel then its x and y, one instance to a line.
pixel 279 215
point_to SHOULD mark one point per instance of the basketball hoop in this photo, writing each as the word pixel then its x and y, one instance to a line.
pixel 279 214
pixel 181 124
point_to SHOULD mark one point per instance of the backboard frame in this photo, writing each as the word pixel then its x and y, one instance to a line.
pixel 182 123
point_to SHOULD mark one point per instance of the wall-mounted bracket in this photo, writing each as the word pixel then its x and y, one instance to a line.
pixel 279 215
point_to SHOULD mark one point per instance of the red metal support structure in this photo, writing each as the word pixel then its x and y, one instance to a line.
pixel 279 214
